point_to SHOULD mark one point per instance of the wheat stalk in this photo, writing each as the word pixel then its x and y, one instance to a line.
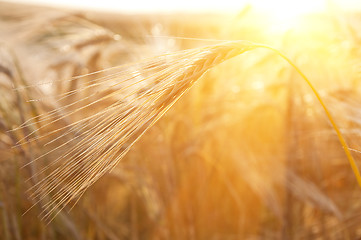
pixel 144 91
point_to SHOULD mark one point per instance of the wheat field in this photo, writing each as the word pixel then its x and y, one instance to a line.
pixel 116 126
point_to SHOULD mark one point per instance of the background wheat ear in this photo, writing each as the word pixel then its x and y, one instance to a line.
pixel 132 99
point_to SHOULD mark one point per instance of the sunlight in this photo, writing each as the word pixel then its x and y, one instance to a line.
pixel 288 10
pixel 286 14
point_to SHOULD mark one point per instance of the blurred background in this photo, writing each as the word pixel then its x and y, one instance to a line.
pixel 200 5
pixel 246 153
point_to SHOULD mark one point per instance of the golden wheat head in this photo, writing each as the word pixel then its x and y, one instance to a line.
pixel 93 145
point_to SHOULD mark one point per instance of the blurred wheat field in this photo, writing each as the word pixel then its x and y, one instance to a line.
pixel 246 153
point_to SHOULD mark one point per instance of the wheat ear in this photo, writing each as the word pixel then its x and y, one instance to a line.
pixel 144 92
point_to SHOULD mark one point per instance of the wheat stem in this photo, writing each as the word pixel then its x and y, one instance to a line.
pixel 342 140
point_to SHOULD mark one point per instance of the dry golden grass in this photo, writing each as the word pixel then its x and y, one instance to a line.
pixel 248 152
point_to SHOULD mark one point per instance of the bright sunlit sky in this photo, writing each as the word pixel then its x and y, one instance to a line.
pixel 293 7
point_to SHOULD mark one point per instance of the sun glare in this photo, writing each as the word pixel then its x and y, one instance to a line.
pixel 286 14
pixel 286 10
